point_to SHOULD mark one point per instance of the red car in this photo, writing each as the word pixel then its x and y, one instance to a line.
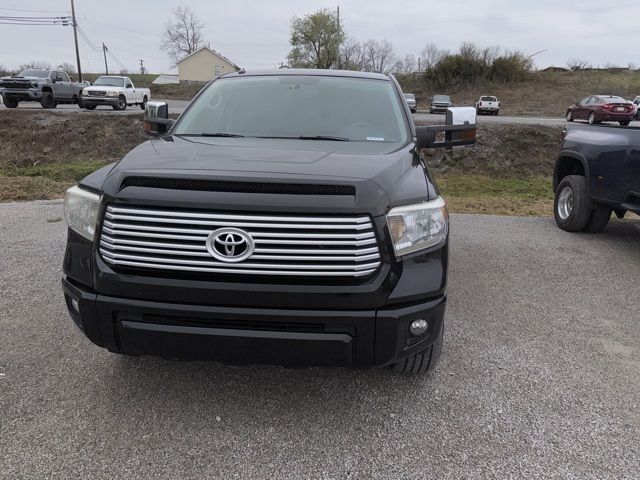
pixel 603 108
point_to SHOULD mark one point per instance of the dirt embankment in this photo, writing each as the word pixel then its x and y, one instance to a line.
pixel 42 153
pixel 502 151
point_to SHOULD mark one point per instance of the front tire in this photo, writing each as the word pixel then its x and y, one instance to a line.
pixel 143 105
pixel 571 205
pixel 421 362
pixel 10 102
pixel 122 103
pixel 592 119
pixel 47 100
pixel 625 123
pixel 570 116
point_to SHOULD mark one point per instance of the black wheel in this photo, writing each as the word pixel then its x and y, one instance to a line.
pixel 421 362
pixel 571 205
pixel 143 105
pixel 122 103
pixel 496 112
pixel 570 116
pixel 598 219
pixel 592 119
pixel 625 123
pixel 10 102
pixel 90 107
pixel 47 100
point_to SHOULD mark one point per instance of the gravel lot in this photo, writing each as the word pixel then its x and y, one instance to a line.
pixel 539 379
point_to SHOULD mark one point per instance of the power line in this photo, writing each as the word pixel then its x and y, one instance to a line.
pixel 34 11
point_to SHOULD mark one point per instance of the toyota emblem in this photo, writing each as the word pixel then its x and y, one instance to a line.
pixel 230 245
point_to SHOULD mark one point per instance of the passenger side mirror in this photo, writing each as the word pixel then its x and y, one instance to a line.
pixel 156 119
pixel 459 130
pixel 129 85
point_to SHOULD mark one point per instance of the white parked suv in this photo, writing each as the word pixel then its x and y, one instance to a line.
pixel 118 92
pixel 488 104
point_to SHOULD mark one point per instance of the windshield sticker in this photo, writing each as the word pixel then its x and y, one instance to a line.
pixel 375 139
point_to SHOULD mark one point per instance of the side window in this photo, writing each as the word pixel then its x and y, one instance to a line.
pixel 64 76
pixel 128 83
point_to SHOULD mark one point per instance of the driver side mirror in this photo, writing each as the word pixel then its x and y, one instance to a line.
pixel 156 119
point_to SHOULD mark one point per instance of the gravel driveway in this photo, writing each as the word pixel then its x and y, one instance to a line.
pixel 540 376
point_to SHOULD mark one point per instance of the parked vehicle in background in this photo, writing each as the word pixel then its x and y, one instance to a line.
pixel 636 102
pixel 49 87
pixel 115 91
pixel 602 108
pixel 440 104
pixel 410 98
pixel 488 104
pixel 596 173
pixel 287 217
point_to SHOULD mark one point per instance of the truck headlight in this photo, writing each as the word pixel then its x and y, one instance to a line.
pixel 417 227
pixel 112 94
pixel 33 84
pixel 81 211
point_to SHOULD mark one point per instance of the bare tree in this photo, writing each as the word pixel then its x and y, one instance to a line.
pixel 68 68
pixel 35 65
pixel 352 55
pixel 407 64
pixel 577 63
pixel 183 35
pixel 431 55
pixel 380 56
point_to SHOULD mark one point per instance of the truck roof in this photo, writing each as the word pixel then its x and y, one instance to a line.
pixel 308 72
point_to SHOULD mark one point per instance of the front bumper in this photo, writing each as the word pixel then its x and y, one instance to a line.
pixel 91 100
pixel 20 94
pixel 294 338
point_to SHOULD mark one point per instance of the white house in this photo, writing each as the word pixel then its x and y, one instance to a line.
pixel 204 65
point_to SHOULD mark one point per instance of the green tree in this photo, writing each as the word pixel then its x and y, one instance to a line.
pixel 315 40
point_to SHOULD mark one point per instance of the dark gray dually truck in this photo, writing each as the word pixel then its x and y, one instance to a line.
pixel 597 173
pixel 287 217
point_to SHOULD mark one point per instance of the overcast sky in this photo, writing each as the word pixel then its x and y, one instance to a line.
pixel 255 34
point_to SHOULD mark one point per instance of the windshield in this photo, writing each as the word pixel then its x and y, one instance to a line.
pixel 488 99
pixel 409 96
pixel 34 73
pixel 441 98
pixel 110 81
pixel 614 100
pixel 297 107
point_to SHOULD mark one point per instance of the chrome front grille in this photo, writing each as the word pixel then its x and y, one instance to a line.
pixel 292 245
pixel 96 93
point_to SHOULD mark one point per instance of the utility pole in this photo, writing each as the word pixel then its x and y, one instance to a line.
pixel 104 52
pixel 75 36
pixel 142 70
pixel 338 15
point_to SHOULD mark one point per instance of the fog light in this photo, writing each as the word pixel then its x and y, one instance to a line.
pixel 418 327
pixel 75 305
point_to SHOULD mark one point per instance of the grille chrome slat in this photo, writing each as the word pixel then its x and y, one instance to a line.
pixel 303 245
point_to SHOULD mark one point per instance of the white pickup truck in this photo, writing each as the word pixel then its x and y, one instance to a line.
pixel 488 104
pixel 119 92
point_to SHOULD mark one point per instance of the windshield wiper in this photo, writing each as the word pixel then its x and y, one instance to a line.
pixel 311 137
pixel 218 134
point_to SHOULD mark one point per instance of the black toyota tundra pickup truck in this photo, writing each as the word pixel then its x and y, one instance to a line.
pixel 597 173
pixel 287 217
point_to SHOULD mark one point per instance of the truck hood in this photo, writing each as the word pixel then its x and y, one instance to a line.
pixel 24 78
pixel 103 88
pixel 383 174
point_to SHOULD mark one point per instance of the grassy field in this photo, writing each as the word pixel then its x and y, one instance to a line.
pixel 543 93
